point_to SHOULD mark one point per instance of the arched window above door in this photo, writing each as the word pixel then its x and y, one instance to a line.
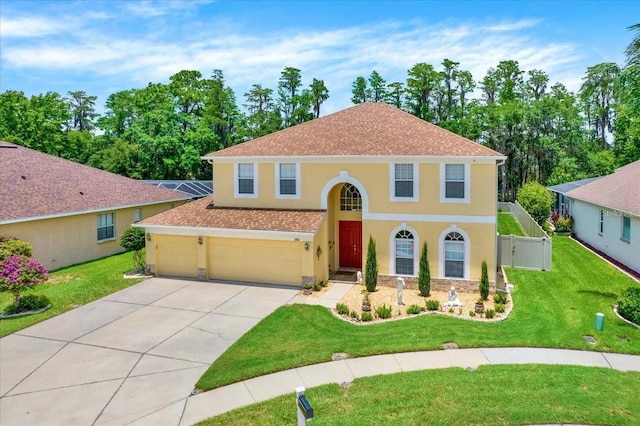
pixel 350 199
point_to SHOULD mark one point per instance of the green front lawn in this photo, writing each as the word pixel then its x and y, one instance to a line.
pixel 552 309
pixel 509 225
pixel 73 286
pixel 495 394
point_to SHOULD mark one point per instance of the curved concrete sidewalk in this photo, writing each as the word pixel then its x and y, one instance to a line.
pixel 258 389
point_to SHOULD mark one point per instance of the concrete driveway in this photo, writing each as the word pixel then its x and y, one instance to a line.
pixel 132 357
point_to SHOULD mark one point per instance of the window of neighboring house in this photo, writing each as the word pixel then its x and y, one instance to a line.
pixel 288 183
pixel 601 222
pixel 454 181
pixel 626 228
pixel 245 178
pixel 137 215
pixel 169 206
pixel 403 180
pixel 404 253
pixel 454 255
pixel 350 199
pixel 106 227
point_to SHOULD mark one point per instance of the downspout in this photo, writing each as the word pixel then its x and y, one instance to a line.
pixel 495 230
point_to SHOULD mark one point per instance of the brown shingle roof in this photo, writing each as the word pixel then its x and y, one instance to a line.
pixel 197 215
pixel 365 129
pixel 34 184
pixel 620 190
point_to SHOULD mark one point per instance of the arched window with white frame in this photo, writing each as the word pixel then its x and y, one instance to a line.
pixel 404 253
pixel 454 255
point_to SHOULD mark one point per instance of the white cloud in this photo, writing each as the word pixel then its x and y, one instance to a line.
pixel 338 56
pixel 32 26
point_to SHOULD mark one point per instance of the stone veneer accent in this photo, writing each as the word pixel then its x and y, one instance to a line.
pixel 202 274
pixel 440 284
pixel 150 269
pixel 308 279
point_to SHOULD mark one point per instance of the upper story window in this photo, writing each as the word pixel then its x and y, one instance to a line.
pixel 350 199
pixel 106 227
pixel 137 215
pixel 287 180
pixel 454 183
pixel 626 228
pixel 403 182
pixel 246 180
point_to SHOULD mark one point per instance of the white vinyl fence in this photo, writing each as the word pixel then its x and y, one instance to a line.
pixel 532 252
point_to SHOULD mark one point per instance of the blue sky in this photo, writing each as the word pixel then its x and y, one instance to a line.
pixel 104 47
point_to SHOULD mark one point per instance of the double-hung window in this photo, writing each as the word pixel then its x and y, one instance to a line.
pixel 403 182
pixel 454 183
pixel 404 253
pixel 454 255
pixel 245 185
pixel 106 227
pixel 601 222
pixel 287 180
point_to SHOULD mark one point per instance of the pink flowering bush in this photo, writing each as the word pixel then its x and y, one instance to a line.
pixel 19 273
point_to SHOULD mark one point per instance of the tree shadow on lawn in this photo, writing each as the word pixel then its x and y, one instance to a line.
pixel 600 294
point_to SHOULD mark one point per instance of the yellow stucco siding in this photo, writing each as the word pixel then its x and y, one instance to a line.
pixel 479 237
pixel 265 261
pixel 374 178
pixel 68 240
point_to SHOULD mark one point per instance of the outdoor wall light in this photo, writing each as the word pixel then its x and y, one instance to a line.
pixel 306 245
pixel 318 252
pixel 200 240
pixel 148 237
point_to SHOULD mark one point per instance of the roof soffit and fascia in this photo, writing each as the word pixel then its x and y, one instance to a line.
pixel 359 159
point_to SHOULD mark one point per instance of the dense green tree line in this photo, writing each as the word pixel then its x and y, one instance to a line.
pixel 549 134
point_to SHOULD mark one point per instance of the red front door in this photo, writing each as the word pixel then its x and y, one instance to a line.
pixel 350 235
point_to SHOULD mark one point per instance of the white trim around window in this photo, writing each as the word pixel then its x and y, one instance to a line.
pixel 106 227
pixel 443 184
pixel 392 249
pixel 287 168
pixel 467 252
pixel 412 175
pixel 236 180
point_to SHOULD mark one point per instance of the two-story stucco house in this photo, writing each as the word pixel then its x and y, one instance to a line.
pixel 298 204
pixel 606 214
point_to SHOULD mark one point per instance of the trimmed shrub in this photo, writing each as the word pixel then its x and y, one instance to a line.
pixel 29 302
pixel 489 313
pixel 472 313
pixel 484 282
pixel 424 275
pixel 342 309
pixel 413 309
pixel 629 304
pixel 432 305
pixel 9 246
pixel 536 200
pixel 500 308
pixel 371 268
pixel 133 239
pixel 366 316
pixel 500 298
pixel 384 311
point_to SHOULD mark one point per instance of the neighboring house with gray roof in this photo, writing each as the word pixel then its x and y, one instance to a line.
pixel 69 212
pixel 606 214
pixel 297 205
pixel 561 202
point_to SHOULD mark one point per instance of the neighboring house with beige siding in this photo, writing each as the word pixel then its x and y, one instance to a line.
pixel 299 204
pixel 69 212
pixel 606 214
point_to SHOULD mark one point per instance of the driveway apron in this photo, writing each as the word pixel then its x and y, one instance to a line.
pixel 132 357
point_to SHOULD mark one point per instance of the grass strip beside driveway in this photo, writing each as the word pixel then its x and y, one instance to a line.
pixel 492 395
pixel 73 286
pixel 552 309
